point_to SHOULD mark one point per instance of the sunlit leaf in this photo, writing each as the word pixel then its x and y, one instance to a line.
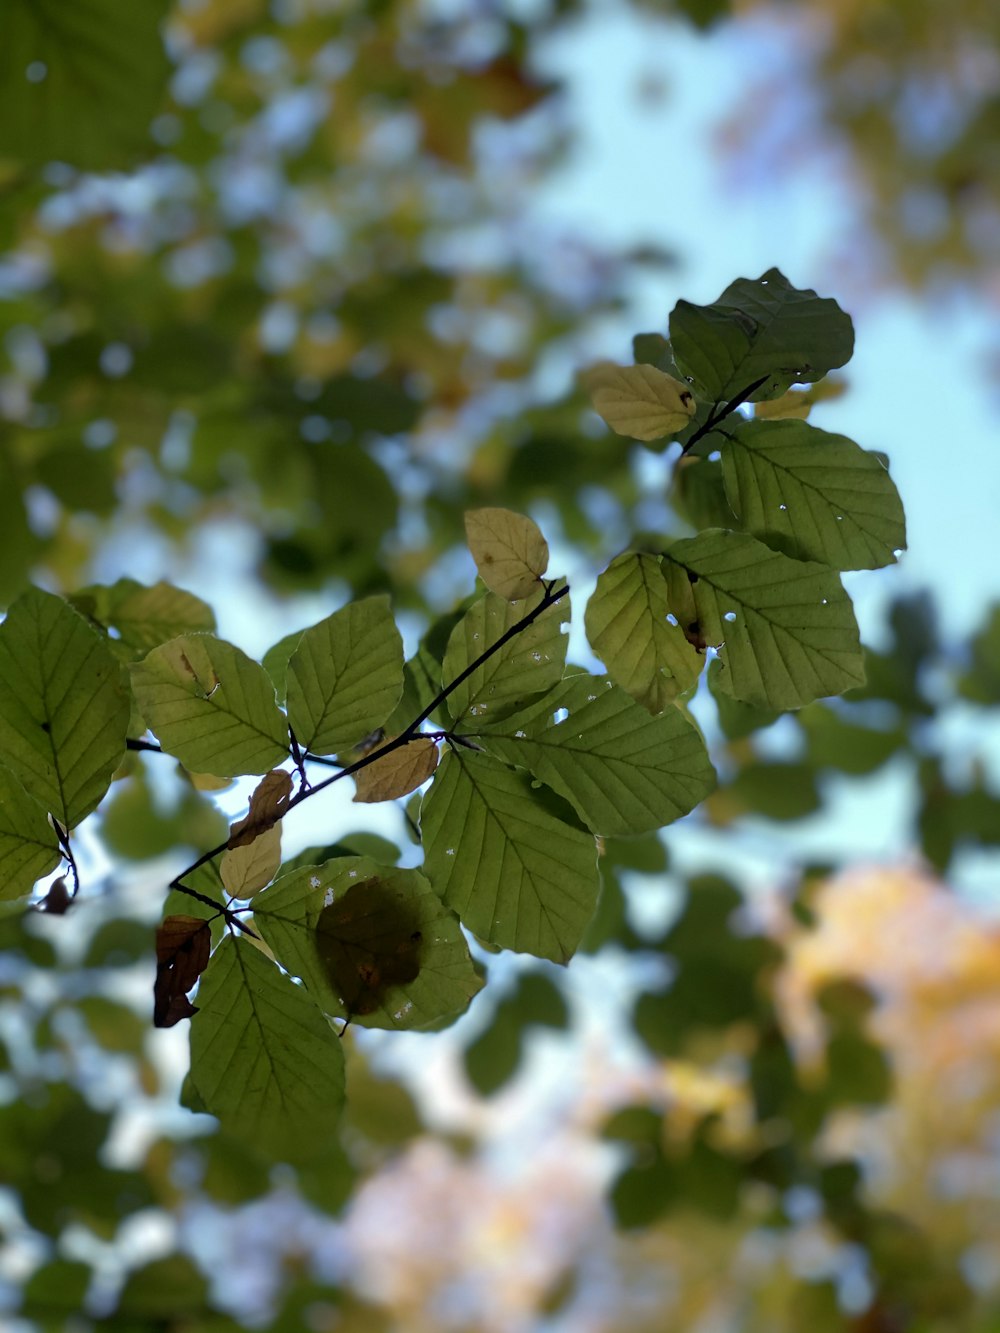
pixel 211 706
pixel 623 771
pixel 28 847
pixel 509 550
pixel 247 867
pixel 398 772
pixel 263 1057
pixel 628 629
pixel 528 663
pixel 785 628
pixel 143 617
pixel 64 706
pixel 389 955
pixel 518 876
pixel 812 494
pixel 345 677
pixel 640 401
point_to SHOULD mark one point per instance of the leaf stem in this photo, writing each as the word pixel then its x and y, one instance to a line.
pixel 715 417
pixel 62 837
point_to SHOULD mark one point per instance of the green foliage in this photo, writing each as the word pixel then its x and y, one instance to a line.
pixel 263 1058
pixel 760 337
pixel 64 706
pixel 80 83
pixel 539 759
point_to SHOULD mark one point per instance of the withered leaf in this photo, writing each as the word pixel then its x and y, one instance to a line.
pixel 397 773
pixel 368 941
pixel 183 945
pixel 268 804
pixel 57 899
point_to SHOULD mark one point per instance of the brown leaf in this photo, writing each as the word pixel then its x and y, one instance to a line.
pixel 268 804
pixel 57 899
pixel 397 773
pixel 183 945
pixel 368 941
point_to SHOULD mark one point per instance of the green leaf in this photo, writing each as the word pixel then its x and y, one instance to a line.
pixel 28 847
pixel 64 706
pixel 785 628
pixel 698 493
pixel 56 1291
pixel 737 720
pixel 531 662
pixel 812 494
pixel 760 328
pixel 516 875
pixel 628 629
pixel 263 1057
pixel 275 662
pixel 144 617
pixel 345 677
pixel 623 771
pixel 347 927
pixel 981 682
pixel 165 1291
pixel 211 706
pixel 80 82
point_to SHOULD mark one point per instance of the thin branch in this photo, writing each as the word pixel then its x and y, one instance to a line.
pixel 132 744
pixel 715 417
pixel 551 597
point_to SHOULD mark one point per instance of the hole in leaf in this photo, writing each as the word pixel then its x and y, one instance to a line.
pixel 560 715
pixel 730 616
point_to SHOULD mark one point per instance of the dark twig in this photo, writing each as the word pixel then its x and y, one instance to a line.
pixel 715 417
pixel 62 837
pixel 132 744
pixel 551 597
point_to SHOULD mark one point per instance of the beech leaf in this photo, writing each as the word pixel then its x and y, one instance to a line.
pixel 640 401
pixel 248 867
pixel 268 804
pixel 397 773
pixel 183 945
pixel 509 550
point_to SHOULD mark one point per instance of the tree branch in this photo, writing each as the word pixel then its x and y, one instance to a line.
pixel 715 417
pixel 132 744
pixel 552 595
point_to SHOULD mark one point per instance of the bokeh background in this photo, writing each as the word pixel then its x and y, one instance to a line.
pixel 284 288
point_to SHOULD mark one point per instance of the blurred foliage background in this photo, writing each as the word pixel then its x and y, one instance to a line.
pixel 278 301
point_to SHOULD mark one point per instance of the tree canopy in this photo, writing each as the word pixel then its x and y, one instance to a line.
pixel 273 309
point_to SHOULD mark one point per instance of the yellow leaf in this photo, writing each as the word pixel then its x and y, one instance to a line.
pixel 397 773
pixel 268 804
pixel 798 403
pixel 640 401
pixel 247 868
pixel 510 552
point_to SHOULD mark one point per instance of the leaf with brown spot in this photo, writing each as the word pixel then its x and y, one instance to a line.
pixel 509 550
pixel 368 941
pixel 268 804
pixel 183 945
pixel 397 773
